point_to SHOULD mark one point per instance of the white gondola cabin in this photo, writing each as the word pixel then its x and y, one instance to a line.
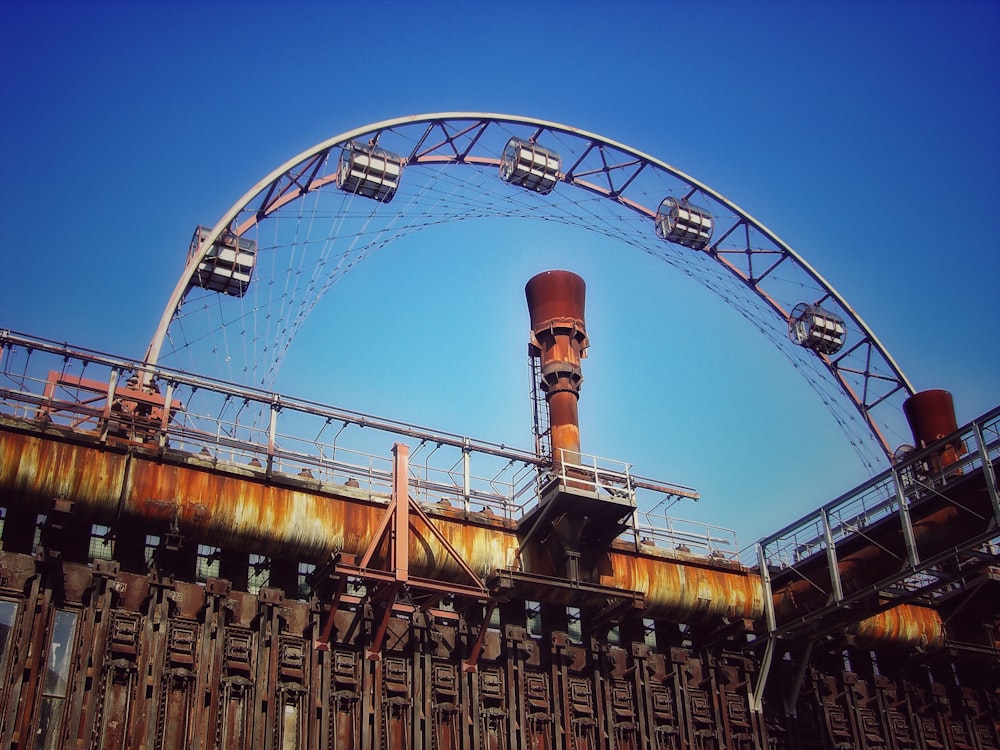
pixel 679 221
pixel 528 165
pixel 369 171
pixel 227 266
pixel 815 328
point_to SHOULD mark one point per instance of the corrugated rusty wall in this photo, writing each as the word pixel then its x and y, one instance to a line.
pixel 146 602
pixel 95 657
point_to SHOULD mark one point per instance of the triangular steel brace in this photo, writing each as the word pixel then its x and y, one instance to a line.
pixel 393 534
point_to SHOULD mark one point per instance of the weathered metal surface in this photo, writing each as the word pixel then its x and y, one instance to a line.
pixel 688 591
pixel 226 504
pixel 905 626
pixel 233 506
pixel 556 301
pixel 931 415
pixel 52 466
pixel 147 661
pixel 222 508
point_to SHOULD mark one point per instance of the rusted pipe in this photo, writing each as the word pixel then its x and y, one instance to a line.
pixel 234 507
pixel 238 508
pixel 905 626
pixel 556 302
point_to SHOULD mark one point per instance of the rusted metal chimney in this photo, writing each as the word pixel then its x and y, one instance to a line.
pixel 555 305
pixel 577 520
pixel 931 415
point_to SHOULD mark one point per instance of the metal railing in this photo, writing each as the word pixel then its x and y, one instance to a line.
pixel 921 477
pixel 607 478
pixel 690 537
pixel 892 493
pixel 125 402
pixel 614 481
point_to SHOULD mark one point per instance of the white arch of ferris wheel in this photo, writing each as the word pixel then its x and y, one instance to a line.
pixel 226 221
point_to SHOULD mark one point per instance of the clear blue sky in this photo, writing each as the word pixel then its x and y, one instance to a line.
pixel 863 134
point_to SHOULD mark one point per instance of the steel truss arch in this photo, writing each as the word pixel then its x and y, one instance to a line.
pixel 448 164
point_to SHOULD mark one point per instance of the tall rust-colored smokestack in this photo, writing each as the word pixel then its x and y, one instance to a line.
pixel 555 304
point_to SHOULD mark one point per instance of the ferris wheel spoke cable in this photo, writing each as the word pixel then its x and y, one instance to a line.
pixel 306 234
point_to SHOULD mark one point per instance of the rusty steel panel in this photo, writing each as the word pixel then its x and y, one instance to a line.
pixel 221 507
pixel 905 626
pixel 268 519
pixel 42 468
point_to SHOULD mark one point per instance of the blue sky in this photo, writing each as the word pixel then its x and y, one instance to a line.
pixel 863 134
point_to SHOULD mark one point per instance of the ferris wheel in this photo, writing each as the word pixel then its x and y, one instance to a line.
pixel 252 279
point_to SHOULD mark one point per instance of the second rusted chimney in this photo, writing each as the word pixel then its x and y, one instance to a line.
pixel 931 415
pixel 555 305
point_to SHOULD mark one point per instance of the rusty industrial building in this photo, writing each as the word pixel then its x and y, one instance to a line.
pixel 243 586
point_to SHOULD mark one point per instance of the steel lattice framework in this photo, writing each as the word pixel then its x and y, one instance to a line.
pixel 308 222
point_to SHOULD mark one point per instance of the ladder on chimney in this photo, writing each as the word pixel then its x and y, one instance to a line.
pixel 541 425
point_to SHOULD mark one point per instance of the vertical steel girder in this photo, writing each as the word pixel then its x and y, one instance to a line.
pixel 385 567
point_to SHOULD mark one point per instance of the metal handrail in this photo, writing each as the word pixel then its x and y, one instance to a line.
pixel 910 481
pixel 248 427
